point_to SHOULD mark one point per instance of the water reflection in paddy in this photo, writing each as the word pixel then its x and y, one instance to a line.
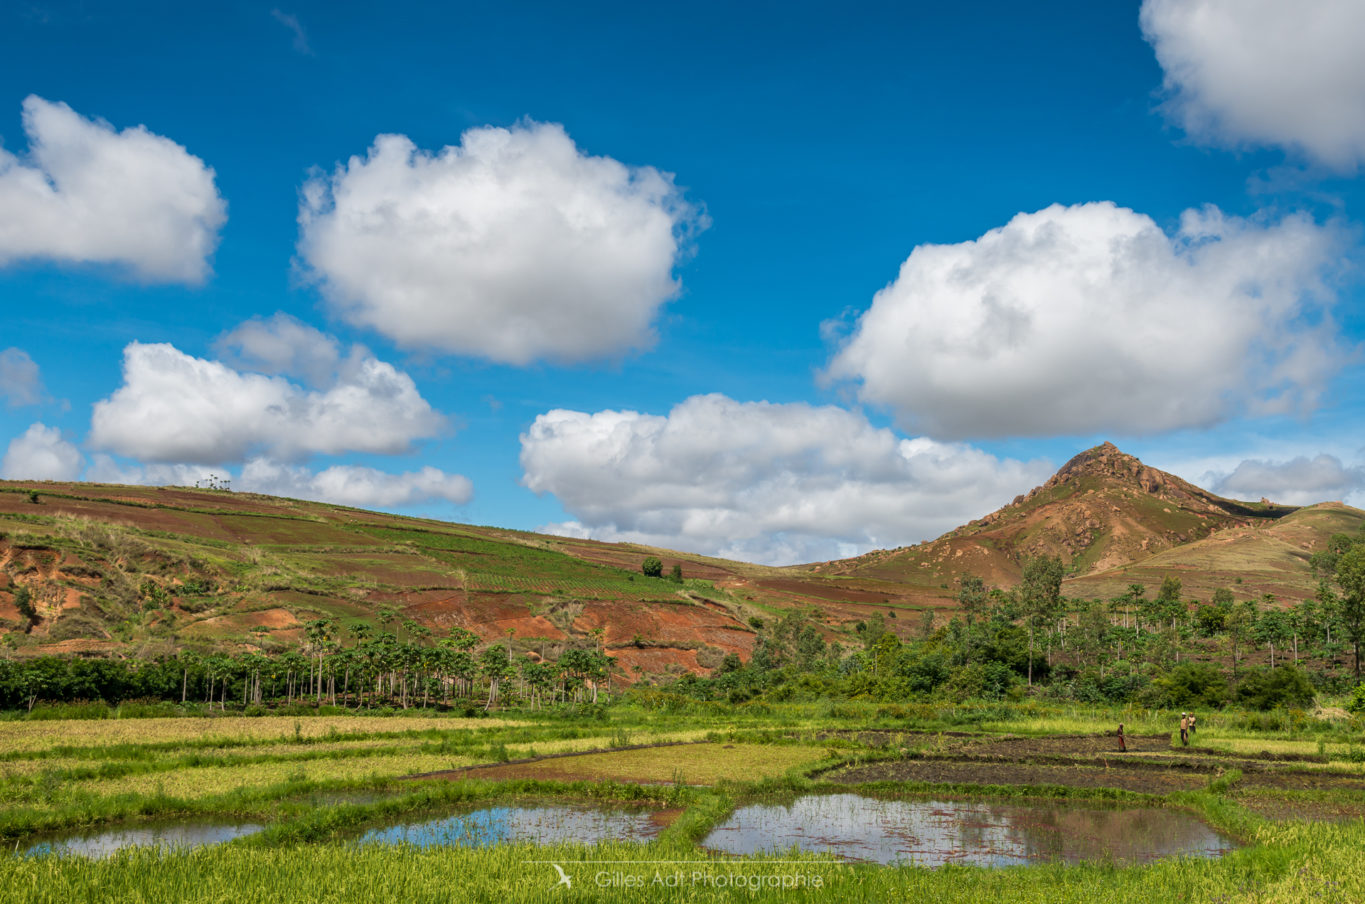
pixel 933 832
pixel 539 825
pixel 162 835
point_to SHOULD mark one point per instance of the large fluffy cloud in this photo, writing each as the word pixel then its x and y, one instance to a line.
pixel 1091 319
pixel 20 383
pixel 513 246
pixel 779 483
pixel 1297 481
pixel 173 407
pixel 1265 72
pixel 90 194
pixel 40 453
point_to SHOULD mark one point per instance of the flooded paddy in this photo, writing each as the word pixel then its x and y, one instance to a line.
pixel 549 824
pixel 934 833
pixel 168 835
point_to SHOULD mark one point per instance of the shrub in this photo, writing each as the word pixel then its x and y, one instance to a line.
pixel 652 567
pixel 676 574
pixel 1281 686
pixel 1189 685
pixel 23 601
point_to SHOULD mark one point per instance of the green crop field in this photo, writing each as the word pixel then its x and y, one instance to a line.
pixel 316 782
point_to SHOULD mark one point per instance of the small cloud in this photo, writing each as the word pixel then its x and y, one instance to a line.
pixel 1299 481
pixel 20 383
pixel 40 454
pixel 291 22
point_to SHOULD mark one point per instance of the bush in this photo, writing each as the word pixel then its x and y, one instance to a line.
pixel 1356 704
pixel 652 567
pixel 23 601
pixel 1187 686
pixel 990 680
pixel 1282 686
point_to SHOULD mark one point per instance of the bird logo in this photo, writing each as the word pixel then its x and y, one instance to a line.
pixel 564 879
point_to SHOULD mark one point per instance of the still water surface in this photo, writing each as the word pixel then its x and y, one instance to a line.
pixel 935 832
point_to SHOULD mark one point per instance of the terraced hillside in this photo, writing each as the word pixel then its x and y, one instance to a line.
pixel 112 569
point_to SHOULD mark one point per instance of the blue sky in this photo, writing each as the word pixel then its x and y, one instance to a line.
pixel 654 219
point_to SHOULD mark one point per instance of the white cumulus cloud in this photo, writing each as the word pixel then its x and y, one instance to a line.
pixel 1265 72
pixel 87 193
pixel 513 246
pixel 176 408
pixel 354 485
pixel 1296 481
pixel 40 453
pixel 777 483
pixel 105 469
pixel 1089 319
pixel 20 382
pixel 282 345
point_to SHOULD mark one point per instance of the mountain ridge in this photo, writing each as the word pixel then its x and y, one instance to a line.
pixel 1103 509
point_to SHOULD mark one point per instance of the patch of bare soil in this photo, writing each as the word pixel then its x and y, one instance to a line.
pixel 1301 780
pixel 1282 809
pixel 1073 745
pixel 890 737
pixel 978 772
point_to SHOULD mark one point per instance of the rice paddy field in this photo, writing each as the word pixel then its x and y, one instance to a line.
pixel 626 803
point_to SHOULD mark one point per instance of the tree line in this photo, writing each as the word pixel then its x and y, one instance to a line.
pixel 358 666
pixel 1157 648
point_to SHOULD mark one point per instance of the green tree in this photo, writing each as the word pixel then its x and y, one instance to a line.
pixel 652 567
pixel 676 574
pixel 972 597
pixel 1350 574
pixel 496 666
pixel 1040 591
pixel 1273 627
pixel 23 601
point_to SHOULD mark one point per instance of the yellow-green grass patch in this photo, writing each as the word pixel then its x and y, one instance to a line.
pixel 23 737
pixel 696 764
pixel 207 781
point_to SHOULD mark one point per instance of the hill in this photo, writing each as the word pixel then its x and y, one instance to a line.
pixel 1113 520
pixel 117 570
pixel 128 569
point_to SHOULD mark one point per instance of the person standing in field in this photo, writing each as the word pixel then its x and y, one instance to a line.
pixel 1184 730
pixel 1191 724
pixel 1123 745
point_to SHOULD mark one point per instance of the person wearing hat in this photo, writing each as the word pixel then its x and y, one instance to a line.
pixel 1184 730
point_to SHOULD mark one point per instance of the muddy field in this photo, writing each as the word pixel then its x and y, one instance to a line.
pixel 979 772
pixel 1281 808
pixel 1149 765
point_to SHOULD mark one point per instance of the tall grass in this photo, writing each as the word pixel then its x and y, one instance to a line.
pixel 1291 864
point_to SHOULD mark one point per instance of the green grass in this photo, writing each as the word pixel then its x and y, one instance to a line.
pixel 84 773
pixel 1290 864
